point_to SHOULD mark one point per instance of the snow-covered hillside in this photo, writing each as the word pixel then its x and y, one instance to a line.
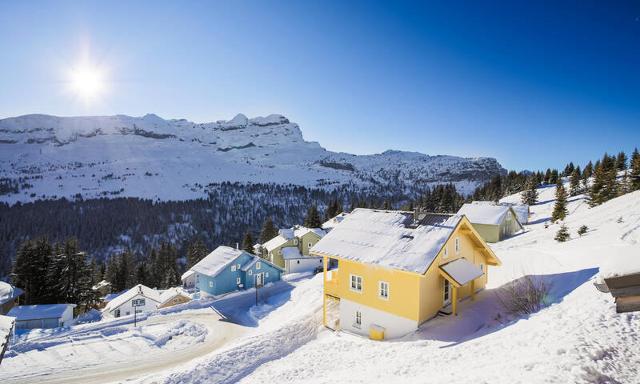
pixel 46 156
pixel 578 338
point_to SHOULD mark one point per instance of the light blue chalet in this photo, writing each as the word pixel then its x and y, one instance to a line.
pixel 227 269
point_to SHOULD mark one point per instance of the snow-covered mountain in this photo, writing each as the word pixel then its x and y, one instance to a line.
pixel 46 156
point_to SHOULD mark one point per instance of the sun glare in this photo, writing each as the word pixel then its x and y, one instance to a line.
pixel 87 82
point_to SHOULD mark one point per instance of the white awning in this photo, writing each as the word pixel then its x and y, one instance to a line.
pixel 461 271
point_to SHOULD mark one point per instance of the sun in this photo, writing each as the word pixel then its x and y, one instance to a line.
pixel 87 81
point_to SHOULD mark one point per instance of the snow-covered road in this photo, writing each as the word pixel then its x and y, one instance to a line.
pixel 102 370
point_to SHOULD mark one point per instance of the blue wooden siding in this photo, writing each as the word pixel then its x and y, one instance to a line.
pixel 267 269
pixel 227 280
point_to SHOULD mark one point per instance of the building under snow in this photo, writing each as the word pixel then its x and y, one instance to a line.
pixel 9 296
pixel 393 272
pixel 492 221
pixel 290 249
pixel 227 269
pixel 42 315
pixel 139 299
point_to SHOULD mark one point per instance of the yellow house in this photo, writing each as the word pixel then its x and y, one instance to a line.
pixel 394 273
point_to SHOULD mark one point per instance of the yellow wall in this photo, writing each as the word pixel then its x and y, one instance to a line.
pixel 403 286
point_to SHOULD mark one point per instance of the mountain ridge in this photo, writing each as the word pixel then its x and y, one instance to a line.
pixel 151 157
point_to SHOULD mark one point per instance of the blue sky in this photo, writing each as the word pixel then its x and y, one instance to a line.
pixel 534 84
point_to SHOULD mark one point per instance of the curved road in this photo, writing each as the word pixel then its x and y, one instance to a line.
pixel 219 333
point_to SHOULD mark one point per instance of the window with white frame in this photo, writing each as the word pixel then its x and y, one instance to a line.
pixel 358 319
pixel 356 283
pixel 457 245
pixel 238 266
pixel 250 272
pixel 137 303
pixel 238 280
pixel 211 284
pixel 233 268
pixel 383 290
pixel 258 265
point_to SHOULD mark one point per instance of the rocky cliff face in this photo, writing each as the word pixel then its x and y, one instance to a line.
pixel 45 156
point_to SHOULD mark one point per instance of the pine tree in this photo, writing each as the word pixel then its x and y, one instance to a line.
pixel 111 272
pixel 547 176
pixel 269 231
pixel 167 257
pixel 312 220
pixel 554 177
pixel 574 185
pixel 196 251
pixel 634 175
pixel 247 242
pixel 30 270
pixel 596 195
pixel 582 230
pixel 530 195
pixel 560 208
pixel 563 234
pixel 610 189
pixel 621 161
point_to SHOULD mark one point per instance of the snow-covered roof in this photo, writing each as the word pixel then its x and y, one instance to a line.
pixel 39 311
pixel 8 292
pixel 462 270
pixel 139 289
pixel 170 293
pixel 332 222
pixel 290 253
pixel 275 243
pixel 215 262
pixel 621 261
pixel 187 274
pixel 382 237
pixel 300 231
pixel 287 233
pixel 483 213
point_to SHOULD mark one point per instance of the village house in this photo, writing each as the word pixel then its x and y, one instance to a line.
pixel 393 272
pixel 290 249
pixel 173 296
pixel 227 269
pixel 492 221
pixel 42 315
pixel 9 296
pixel 188 279
pixel 139 298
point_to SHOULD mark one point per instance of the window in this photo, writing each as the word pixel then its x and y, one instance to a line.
pixel 356 283
pixel 238 280
pixel 446 298
pixel 137 303
pixel 233 268
pixel 310 245
pixel 383 290
pixel 211 284
pixel 258 265
pixel 482 267
pixel 457 245
pixel 446 251
pixel 238 266
pixel 358 319
pixel 266 274
pixel 116 313
pixel 250 272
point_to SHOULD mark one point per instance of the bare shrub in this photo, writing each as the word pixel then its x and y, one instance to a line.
pixel 525 296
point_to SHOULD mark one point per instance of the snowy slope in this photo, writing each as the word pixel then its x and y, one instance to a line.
pixel 49 156
pixel 578 338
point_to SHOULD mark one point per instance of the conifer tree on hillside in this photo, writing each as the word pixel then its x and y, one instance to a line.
pixel 554 177
pixel 547 176
pixel 621 161
pixel 111 272
pixel 530 195
pixel 634 174
pixel 586 174
pixel 312 220
pixel 574 185
pixel 596 194
pixel 167 257
pixel 269 231
pixel 30 269
pixel 560 208
pixel 610 190
pixel 563 234
pixel 74 279
pixel 247 243
pixel 568 169
pixel 196 251
pixel 333 209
